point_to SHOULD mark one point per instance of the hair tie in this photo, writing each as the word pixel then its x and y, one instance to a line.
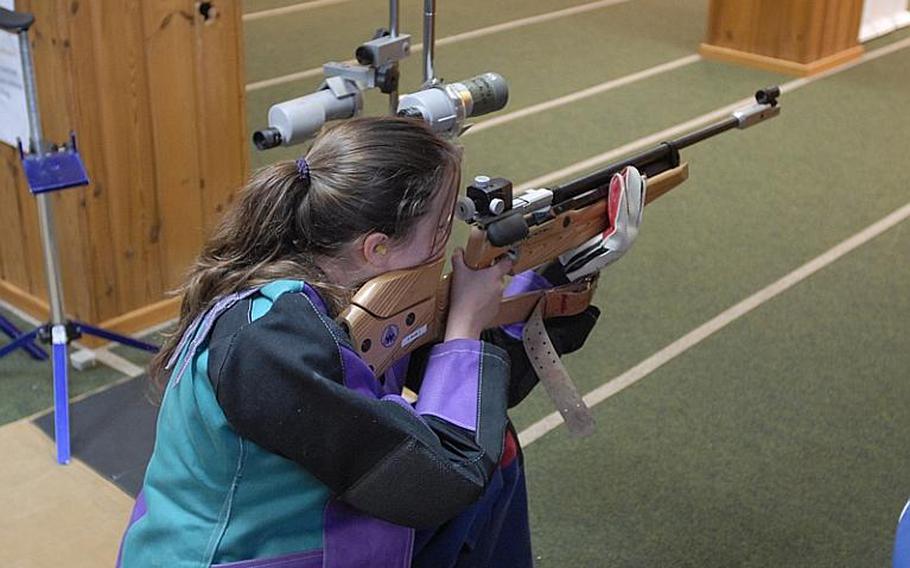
pixel 303 170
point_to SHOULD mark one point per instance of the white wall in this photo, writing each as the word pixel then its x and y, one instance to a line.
pixel 881 17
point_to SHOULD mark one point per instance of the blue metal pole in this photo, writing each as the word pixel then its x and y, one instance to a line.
pixel 111 336
pixel 61 394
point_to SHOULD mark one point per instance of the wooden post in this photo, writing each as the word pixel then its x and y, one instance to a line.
pixel 801 37
pixel 155 92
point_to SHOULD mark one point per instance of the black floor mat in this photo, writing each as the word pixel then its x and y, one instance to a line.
pixel 113 432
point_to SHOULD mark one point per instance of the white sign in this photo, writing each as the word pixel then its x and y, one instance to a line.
pixel 13 109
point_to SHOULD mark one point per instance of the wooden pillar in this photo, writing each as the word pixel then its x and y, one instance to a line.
pixel 799 37
pixel 155 92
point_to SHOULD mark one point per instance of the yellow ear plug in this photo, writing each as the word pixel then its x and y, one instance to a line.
pixel 381 250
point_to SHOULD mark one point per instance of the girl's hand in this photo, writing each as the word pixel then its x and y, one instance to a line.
pixel 473 297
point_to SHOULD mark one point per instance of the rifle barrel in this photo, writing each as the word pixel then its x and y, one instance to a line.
pixel 651 162
pixel 705 133
pixel 602 177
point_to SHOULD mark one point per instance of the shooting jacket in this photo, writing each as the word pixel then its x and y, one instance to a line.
pixel 276 446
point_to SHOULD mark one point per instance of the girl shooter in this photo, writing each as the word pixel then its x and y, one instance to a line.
pixel 275 444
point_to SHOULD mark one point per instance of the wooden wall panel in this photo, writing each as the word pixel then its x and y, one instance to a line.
pixel 86 93
pixel 804 37
pixel 128 149
pixel 763 19
pixel 216 90
pixel 14 267
pixel 169 46
pixel 31 239
pixel 155 94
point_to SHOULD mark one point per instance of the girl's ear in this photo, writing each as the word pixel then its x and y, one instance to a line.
pixel 375 249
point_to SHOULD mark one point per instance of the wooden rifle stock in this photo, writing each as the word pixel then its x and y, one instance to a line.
pixel 395 313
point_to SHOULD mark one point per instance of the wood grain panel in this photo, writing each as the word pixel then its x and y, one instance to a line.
pixel 14 267
pixel 99 246
pixel 31 240
pixel 169 53
pixel 222 143
pixel 128 148
pixel 794 37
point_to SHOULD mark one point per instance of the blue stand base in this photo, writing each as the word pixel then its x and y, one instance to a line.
pixel 26 341
pixel 60 335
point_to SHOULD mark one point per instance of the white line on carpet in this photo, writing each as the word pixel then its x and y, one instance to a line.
pixel 583 94
pixel 284 10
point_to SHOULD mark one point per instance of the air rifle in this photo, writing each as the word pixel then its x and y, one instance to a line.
pixel 397 312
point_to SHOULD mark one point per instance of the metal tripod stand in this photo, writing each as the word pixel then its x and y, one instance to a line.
pixel 48 171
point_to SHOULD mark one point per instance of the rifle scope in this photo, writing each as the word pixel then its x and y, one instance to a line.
pixel 445 107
